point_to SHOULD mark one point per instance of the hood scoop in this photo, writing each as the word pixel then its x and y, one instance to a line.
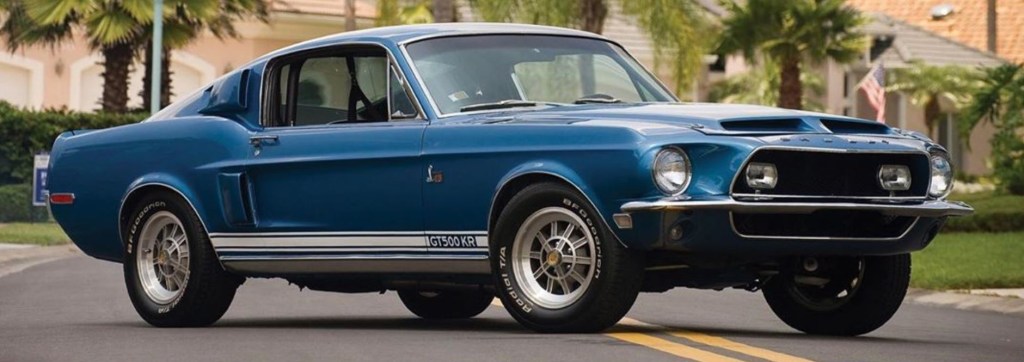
pixel 773 126
pixel 794 125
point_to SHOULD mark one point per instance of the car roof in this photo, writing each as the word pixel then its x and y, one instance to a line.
pixel 403 34
pixel 407 33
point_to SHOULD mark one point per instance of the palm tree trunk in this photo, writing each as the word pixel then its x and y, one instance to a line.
pixel 592 14
pixel 444 11
pixel 117 59
pixel 165 77
pixel 931 112
pixel 791 90
pixel 350 15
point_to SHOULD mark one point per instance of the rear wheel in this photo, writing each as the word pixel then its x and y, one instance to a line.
pixel 450 304
pixel 171 271
pixel 557 267
pixel 844 296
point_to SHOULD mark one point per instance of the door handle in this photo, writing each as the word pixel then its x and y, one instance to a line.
pixel 258 141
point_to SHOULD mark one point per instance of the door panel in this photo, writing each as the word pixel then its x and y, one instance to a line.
pixel 361 177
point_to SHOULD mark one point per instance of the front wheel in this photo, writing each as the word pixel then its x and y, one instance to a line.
pixel 171 271
pixel 448 304
pixel 843 296
pixel 557 267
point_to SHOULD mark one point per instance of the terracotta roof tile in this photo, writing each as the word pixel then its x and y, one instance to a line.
pixel 967 24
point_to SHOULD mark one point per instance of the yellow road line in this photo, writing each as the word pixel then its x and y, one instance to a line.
pixel 645 339
pixel 673 348
pixel 738 347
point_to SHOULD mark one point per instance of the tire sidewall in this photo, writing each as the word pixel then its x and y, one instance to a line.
pixel 509 289
pixel 146 209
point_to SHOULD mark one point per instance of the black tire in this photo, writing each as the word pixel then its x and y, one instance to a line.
pixel 448 304
pixel 208 290
pixel 612 291
pixel 883 282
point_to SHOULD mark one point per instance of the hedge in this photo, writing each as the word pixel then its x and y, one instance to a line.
pixel 15 201
pixel 986 222
pixel 24 133
pixel 993 212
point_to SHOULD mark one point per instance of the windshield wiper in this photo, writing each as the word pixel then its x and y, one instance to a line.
pixel 587 100
pixel 508 103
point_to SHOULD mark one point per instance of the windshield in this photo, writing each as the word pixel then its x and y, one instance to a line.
pixel 500 71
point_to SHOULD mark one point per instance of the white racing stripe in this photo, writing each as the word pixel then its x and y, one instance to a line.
pixel 348 241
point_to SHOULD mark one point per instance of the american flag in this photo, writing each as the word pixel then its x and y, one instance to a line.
pixel 873 85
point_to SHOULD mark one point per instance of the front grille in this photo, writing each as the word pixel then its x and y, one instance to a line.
pixel 835 174
pixel 822 224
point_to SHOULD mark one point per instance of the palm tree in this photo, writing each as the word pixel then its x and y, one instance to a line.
pixel 678 28
pixel 999 100
pixel 119 28
pixel 395 12
pixel 444 11
pixel 184 21
pixel 110 26
pixel 790 32
pixel 927 84
pixel 759 85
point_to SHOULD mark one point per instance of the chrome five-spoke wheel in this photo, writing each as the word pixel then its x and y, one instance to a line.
pixel 554 257
pixel 163 260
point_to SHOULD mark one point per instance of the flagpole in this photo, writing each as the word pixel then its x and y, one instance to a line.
pixel 157 69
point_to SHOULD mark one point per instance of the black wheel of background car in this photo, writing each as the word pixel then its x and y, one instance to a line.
pixel 843 296
pixel 447 304
pixel 557 267
pixel 171 271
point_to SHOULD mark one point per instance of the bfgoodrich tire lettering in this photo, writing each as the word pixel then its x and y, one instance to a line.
pixel 606 280
pixel 881 285
pixel 195 294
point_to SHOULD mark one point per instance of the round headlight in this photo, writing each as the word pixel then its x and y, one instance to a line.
pixel 942 176
pixel 671 171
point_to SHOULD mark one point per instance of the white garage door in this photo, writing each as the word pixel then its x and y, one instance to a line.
pixel 15 85
pixel 184 81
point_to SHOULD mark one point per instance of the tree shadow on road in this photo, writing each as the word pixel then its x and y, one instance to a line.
pixel 496 325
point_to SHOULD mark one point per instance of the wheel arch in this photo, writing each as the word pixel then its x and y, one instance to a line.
pixel 518 179
pixel 149 185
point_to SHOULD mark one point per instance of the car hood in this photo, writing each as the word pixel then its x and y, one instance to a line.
pixel 708 118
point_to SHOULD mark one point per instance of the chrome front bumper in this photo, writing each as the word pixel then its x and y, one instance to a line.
pixel 934 208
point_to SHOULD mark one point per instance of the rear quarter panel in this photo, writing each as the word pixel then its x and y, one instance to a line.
pixel 101 167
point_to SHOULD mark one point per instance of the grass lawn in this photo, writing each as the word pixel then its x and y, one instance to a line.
pixel 47 233
pixel 971 261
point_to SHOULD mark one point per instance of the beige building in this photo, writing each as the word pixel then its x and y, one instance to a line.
pixel 69 75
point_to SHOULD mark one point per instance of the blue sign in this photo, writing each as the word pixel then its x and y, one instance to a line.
pixel 39 191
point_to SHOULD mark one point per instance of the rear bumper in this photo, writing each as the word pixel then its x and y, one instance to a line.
pixel 923 209
pixel 709 226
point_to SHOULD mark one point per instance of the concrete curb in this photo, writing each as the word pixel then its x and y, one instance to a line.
pixel 962 301
pixel 14 259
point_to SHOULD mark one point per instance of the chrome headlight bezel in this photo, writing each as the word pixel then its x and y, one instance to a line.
pixel 940 175
pixel 660 167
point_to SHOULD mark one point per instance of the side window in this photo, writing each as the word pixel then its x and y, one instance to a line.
pixel 339 88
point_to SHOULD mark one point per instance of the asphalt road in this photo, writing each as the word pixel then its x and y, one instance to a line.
pixel 77 309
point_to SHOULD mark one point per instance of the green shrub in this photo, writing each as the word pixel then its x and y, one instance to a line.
pixel 15 201
pixel 993 212
pixel 23 133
